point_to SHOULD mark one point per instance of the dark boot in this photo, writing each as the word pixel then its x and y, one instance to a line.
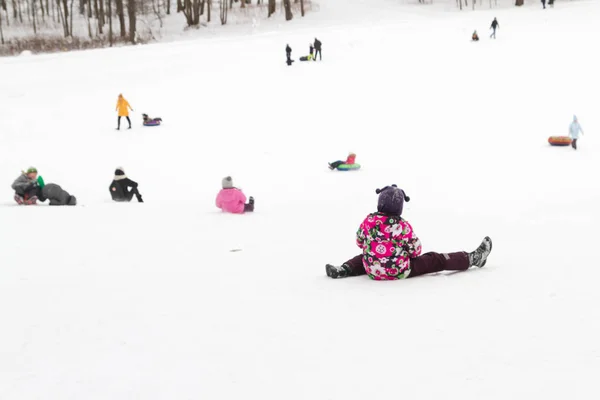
pixel 338 272
pixel 478 258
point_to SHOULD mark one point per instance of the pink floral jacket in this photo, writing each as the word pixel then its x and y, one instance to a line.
pixel 388 243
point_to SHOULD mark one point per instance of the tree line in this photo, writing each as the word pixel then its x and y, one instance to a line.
pixel 118 18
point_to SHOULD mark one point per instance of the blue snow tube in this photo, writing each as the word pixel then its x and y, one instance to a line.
pixel 152 123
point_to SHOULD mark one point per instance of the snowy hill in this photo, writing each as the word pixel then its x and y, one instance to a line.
pixel 147 301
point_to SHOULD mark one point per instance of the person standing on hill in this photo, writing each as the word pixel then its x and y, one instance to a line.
pixel 318 45
pixel 123 108
pixel 288 54
pixel 495 25
pixel 574 131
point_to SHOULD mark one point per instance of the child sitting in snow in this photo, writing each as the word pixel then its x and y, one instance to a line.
pixel 148 120
pixel 122 189
pixel 232 200
pixel 26 187
pixel 349 161
pixel 391 250
pixel 475 37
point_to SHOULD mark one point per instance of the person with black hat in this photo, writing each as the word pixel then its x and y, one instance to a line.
pixel 391 250
pixel 288 54
pixel 123 189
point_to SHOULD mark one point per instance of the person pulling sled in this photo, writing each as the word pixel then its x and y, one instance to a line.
pixel 391 250
pixel 122 189
pixel 318 46
pixel 495 25
pixel 122 109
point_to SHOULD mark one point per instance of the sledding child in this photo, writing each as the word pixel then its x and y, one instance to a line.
pixel 475 37
pixel 57 195
pixel 123 189
pixel 26 187
pixel 574 131
pixel 232 200
pixel 349 161
pixel 148 120
pixel 391 250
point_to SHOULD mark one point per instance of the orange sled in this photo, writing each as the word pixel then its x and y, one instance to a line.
pixel 559 140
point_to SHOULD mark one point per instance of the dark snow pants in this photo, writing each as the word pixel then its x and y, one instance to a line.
pixel 493 35
pixel 119 122
pixel 320 55
pixel 133 192
pixel 336 164
pixel 574 144
pixel 427 263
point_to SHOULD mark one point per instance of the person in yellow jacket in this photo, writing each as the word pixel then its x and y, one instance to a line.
pixel 123 108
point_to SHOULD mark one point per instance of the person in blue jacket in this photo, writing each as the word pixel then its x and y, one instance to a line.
pixel 574 131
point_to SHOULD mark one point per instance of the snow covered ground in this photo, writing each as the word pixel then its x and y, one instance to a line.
pixel 147 301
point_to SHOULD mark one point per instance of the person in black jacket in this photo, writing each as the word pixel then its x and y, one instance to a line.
pixel 120 187
pixel 495 25
pixel 288 53
pixel 318 50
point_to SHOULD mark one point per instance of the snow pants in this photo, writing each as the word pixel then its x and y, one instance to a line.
pixel 318 52
pixel 119 122
pixel 574 144
pixel 427 263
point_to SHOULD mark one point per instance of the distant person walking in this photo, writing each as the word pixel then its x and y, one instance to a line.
pixel 318 45
pixel 495 25
pixel 574 131
pixel 288 54
pixel 123 108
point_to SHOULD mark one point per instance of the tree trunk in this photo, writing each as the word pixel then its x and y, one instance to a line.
pixel 208 10
pixel 272 7
pixel 121 15
pixel 519 3
pixel 302 7
pixel 168 7
pixel 110 29
pixel 20 12
pixel 89 18
pixel 14 4
pixel 71 19
pixel 66 17
pixel 287 5
pixel 42 8
pixel 223 11
pixel 243 3
pixel 101 17
pixel 132 19
pixel 33 12
pixel 1 32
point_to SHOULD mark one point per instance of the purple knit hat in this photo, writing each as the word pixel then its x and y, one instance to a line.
pixel 391 200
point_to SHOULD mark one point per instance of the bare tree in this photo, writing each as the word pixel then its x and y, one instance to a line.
pixel 1 32
pixel 288 10
pixel 110 28
pixel 121 15
pixel 302 7
pixel 272 7
pixel 208 5
pixel 132 19
pixel 223 9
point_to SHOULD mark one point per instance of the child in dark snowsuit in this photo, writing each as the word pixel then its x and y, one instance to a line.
pixel 147 119
pixel 349 161
pixel 119 188
pixel 391 250
pixel 495 25
pixel 57 195
pixel 26 187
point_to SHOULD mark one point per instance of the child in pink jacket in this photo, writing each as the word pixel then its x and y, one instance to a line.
pixel 391 250
pixel 232 200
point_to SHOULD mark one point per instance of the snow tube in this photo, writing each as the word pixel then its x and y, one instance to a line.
pixel 559 140
pixel 152 123
pixel 348 167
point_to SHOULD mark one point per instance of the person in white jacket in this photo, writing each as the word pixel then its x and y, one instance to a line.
pixel 574 131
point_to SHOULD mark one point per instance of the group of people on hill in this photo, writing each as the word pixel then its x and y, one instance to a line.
pixel 314 50
pixel 495 26
pixel 30 188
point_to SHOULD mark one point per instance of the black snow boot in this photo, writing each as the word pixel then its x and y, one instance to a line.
pixel 338 272
pixel 478 258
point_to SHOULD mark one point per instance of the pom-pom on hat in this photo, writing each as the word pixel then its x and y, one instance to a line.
pixel 227 183
pixel 391 200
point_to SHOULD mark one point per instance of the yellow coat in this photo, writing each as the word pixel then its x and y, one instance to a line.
pixel 123 107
